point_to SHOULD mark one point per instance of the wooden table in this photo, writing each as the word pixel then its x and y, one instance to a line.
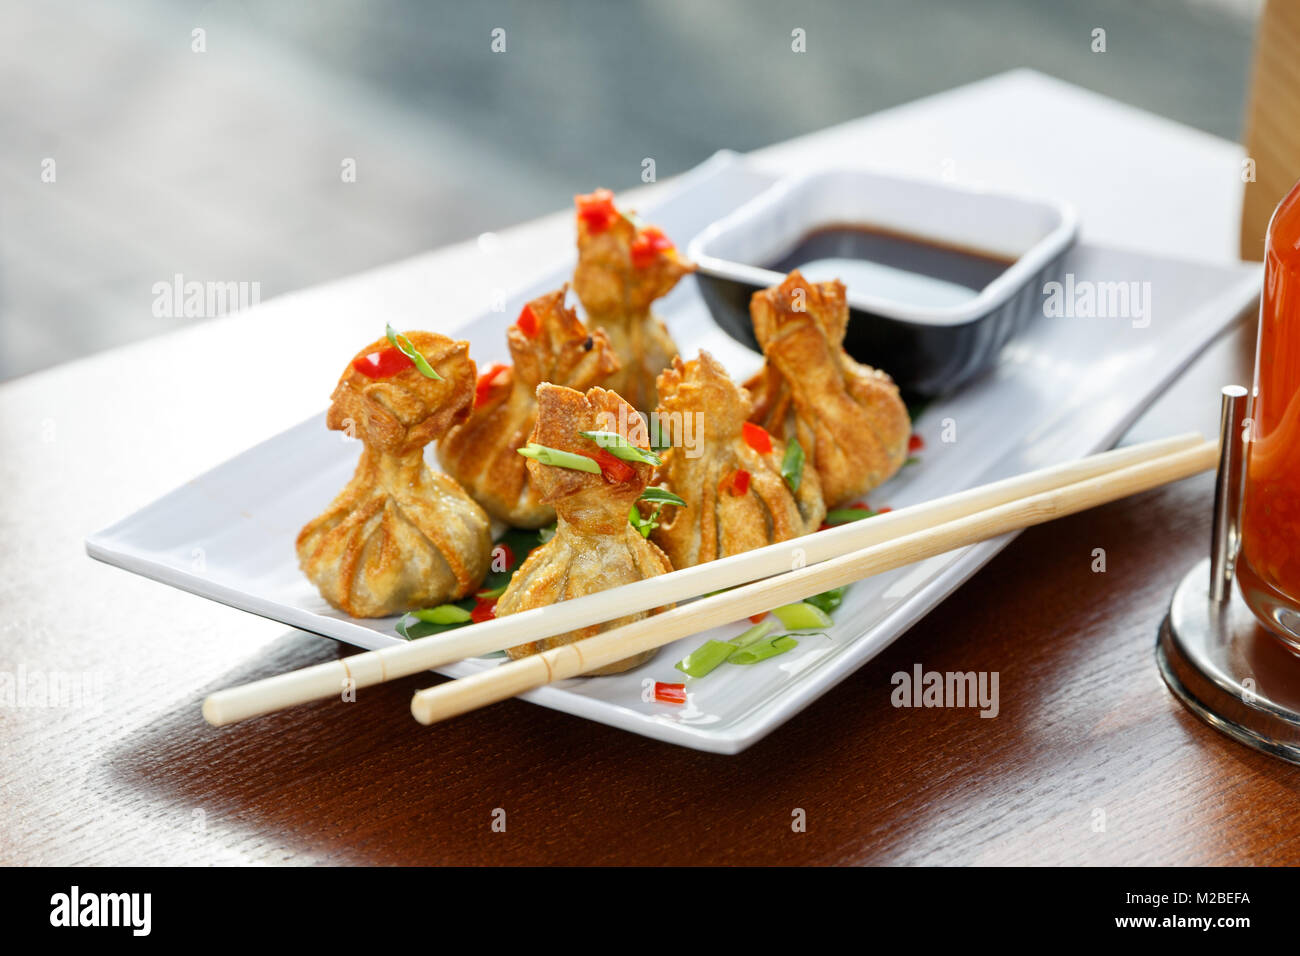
pixel 1086 727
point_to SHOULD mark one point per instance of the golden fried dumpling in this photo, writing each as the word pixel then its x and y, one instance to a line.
pixel 849 417
pixel 622 268
pixel 548 344
pixel 595 546
pixel 399 536
pixel 731 480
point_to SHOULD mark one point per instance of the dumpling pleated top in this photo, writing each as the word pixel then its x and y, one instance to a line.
pixel 595 546
pixel 399 536
pixel 547 343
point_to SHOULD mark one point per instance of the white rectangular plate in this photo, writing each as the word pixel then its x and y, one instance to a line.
pixel 1066 388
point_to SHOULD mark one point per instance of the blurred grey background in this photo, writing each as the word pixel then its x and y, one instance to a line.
pixel 226 164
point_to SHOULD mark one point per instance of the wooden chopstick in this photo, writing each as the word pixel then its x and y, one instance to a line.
pixel 516 677
pixel 322 681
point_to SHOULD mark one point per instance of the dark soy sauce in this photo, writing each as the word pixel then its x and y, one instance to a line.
pixel 892 265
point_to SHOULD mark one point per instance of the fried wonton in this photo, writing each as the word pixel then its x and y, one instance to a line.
pixel 737 498
pixel 595 546
pixel 399 536
pixel 622 268
pixel 548 344
pixel 849 417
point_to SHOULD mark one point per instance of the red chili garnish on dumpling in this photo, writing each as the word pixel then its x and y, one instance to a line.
pixel 487 382
pixel 613 470
pixel 915 442
pixel 383 363
pixel 597 210
pixel 757 438
pixel 737 483
pixel 647 244
pixel 527 322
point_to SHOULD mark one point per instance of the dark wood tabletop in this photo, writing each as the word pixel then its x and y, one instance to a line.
pixel 1090 759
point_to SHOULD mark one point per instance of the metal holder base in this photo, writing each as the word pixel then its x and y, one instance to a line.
pixel 1229 671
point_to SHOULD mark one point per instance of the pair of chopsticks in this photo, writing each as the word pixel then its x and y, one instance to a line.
pixel 758 580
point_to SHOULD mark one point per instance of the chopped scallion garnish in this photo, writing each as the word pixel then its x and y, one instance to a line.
pixel 764 649
pixel 845 515
pixel 646 525
pixel 792 464
pixel 755 633
pixel 560 459
pixel 442 614
pixel 620 447
pixel 710 654
pixel 802 616
pixel 662 495
pixel 641 523
pixel 403 345
pixel 828 600
pixel 705 658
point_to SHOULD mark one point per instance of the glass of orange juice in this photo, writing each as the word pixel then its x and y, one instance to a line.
pixel 1268 567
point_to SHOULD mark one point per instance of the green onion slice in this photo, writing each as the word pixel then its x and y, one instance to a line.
pixel 403 345
pixel 754 634
pixel 662 495
pixel 442 614
pixel 620 447
pixel 792 464
pixel 705 658
pixel 641 523
pixel 802 616
pixel 828 600
pixel 764 649
pixel 560 459
pixel 845 515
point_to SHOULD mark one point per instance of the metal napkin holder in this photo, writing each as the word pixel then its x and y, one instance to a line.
pixel 1212 652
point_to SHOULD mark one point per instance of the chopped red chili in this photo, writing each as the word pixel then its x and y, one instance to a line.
pixel 487 382
pixel 670 693
pixel 597 210
pixel 614 470
pixel 527 322
pixel 757 618
pixel 915 442
pixel 647 245
pixel 737 483
pixel 384 363
pixel 484 610
pixel 757 438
